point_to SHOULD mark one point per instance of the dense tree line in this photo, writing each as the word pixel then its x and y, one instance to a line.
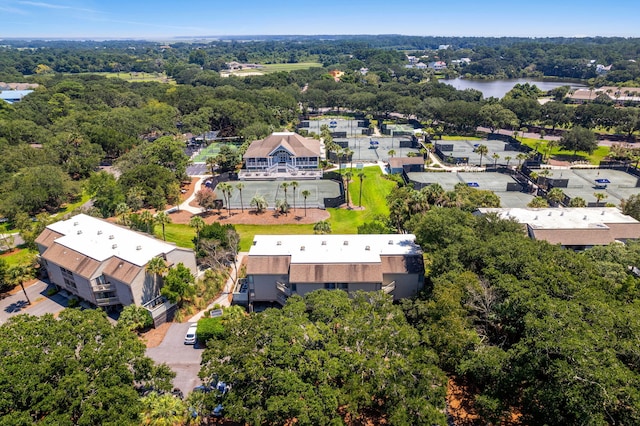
pixel 76 369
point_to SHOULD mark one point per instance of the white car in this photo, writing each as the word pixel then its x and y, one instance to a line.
pixel 190 338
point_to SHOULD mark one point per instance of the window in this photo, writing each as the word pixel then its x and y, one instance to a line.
pixel 294 287
pixel 334 286
pixel 101 280
pixel 70 283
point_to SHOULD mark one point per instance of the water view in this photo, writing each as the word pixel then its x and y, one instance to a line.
pixel 498 88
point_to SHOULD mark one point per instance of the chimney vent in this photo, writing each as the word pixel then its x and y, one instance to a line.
pixel 113 246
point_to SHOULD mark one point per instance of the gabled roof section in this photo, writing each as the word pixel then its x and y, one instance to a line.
pixel 284 145
pixel 336 273
pixel 121 270
pixel 72 260
pixel 48 237
pixel 293 142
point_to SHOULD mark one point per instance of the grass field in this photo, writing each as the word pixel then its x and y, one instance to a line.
pixel 19 257
pixel 132 77
pixel 271 68
pixel 563 155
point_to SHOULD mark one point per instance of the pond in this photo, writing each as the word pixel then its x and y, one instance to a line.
pixel 498 88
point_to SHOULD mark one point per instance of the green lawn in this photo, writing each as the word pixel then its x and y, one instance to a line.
pixel 291 67
pixel 560 154
pixel 19 257
pixel 180 234
pixel 131 77
pixel 458 138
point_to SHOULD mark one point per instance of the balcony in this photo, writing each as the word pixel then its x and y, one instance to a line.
pixel 282 299
pixel 282 288
pixel 389 287
pixel 107 301
pixel 103 287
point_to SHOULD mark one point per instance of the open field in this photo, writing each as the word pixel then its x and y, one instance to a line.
pixel 271 68
pixel 132 77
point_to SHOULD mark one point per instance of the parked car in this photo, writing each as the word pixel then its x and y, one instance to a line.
pixel 190 338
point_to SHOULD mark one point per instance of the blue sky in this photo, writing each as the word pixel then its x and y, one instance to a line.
pixel 163 19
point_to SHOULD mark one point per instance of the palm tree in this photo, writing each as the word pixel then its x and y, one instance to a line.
pixel 282 206
pixel 285 186
pixel 538 202
pixel 18 275
pixel 521 157
pixel 197 223
pixel 162 218
pixel 599 197
pixel 347 179
pixel 577 202
pixel 156 266
pixel 550 145
pixel 294 185
pixel 555 196
pixel 240 187
pixel 495 157
pixel 259 202
pixel 349 153
pixel 122 209
pixel 322 227
pixel 361 176
pixel 147 219
pixel 305 194
pixel 211 164
pixel 225 189
pixel 508 158
pixel 391 153
pixel 482 150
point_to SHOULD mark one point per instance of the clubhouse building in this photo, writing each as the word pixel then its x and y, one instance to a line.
pixel 282 154
pixel 282 265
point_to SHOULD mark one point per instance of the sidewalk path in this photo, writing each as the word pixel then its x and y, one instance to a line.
pixel 185 204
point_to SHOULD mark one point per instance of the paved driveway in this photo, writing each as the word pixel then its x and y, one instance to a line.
pixel 183 359
pixel 40 303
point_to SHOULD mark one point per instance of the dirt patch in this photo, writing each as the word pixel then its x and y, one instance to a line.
pixel 155 336
pixel 250 217
pixel 188 188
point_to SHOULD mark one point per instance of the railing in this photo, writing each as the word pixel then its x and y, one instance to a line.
pixel 106 301
pixel 389 287
pixel 282 299
pixel 286 291
pixel 103 287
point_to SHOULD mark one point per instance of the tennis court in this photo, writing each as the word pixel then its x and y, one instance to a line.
pixel 210 150
pixel 455 151
pixel 273 191
pixel 366 151
pixel 503 185
pixel 582 183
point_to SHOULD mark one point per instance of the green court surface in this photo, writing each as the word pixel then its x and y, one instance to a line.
pixel 273 191
pixel 209 151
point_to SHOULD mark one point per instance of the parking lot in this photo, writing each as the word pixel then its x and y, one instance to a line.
pixel 181 358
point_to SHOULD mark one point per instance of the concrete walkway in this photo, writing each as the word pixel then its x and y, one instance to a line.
pixel 227 292
pixel 185 204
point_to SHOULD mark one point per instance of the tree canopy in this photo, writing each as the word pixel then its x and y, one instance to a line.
pixel 326 357
pixel 76 369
